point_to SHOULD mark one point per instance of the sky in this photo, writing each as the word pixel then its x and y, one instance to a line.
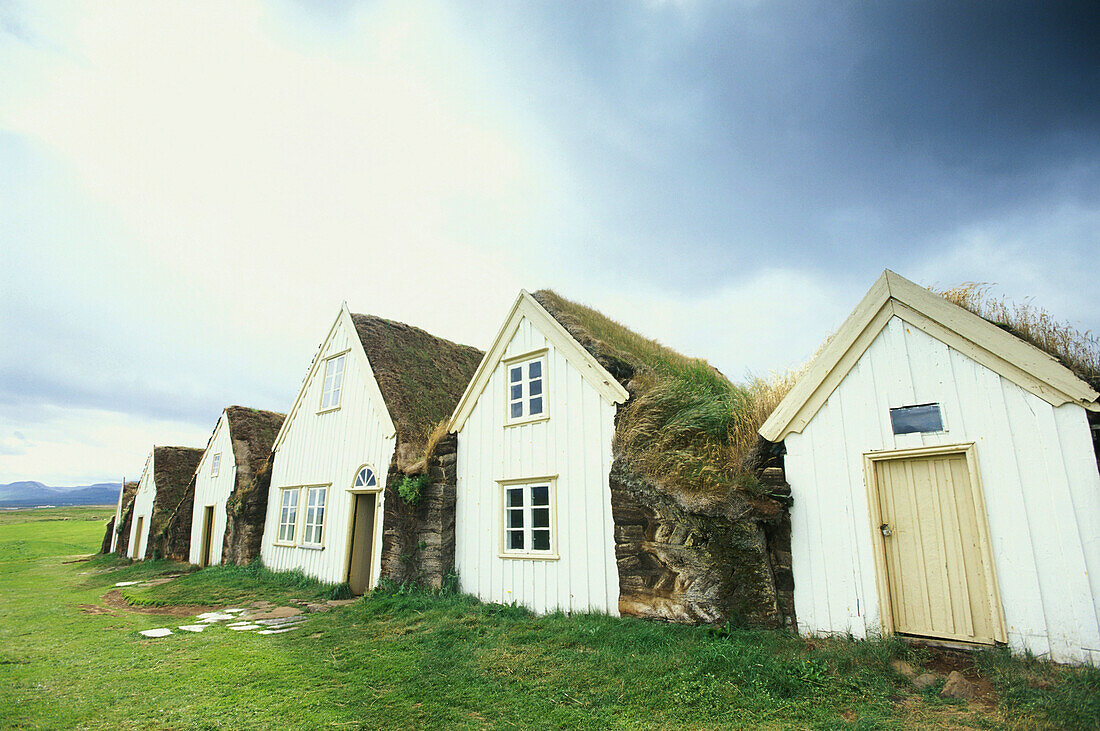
pixel 189 190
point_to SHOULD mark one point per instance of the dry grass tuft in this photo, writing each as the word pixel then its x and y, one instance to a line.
pixel 686 425
pixel 1077 350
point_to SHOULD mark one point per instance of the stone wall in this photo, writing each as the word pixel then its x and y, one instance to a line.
pixel 684 562
pixel 174 542
pixel 418 541
pixel 105 547
pixel 245 514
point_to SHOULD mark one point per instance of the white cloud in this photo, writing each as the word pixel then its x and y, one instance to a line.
pixel 84 446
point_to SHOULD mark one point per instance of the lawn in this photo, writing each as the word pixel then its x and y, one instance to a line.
pixel 402 659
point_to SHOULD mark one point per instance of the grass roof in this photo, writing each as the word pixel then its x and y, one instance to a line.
pixel 1076 349
pixel 421 377
pixel 252 432
pixel 686 426
pixel 173 468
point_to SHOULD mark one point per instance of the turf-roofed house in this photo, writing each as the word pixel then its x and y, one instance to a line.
pixel 601 471
pixel 362 476
pixel 205 529
pixel 944 481
pixel 163 484
pixel 117 536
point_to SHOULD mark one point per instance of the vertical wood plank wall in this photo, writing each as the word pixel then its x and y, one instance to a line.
pixel 143 507
pixel 574 444
pixel 213 491
pixel 325 448
pixel 1038 473
pixel 118 517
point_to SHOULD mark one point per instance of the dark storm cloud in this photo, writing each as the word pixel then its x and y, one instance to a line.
pixel 808 134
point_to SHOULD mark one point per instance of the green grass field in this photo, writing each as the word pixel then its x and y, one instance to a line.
pixel 418 660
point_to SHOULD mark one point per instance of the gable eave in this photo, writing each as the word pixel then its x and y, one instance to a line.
pixel 893 295
pixel 343 317
pixel 527 306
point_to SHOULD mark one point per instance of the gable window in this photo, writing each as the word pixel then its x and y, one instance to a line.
pixel 527 389
pixel 215 464
pixel 315 516
pixel 288 514
pixel 528 528
pixel 364 479
pixel 916 419
pixel 334 381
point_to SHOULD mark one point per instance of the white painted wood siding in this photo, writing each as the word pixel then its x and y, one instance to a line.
pixel 213 491
pixel 574 444
pixel 1038 472
pixel 118 517
pixel 328 449
pixel 143 507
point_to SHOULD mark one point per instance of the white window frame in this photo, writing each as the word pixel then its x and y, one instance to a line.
pixel 528 551
pixel 308 522
pixel 524 400
pixel 338 388
pixel 215 464
pixel 283 509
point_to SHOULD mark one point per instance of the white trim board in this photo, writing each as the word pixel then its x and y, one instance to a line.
pixel 893 295
pixel 528 307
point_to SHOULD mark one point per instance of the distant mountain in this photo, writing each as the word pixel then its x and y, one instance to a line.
pixel 29 493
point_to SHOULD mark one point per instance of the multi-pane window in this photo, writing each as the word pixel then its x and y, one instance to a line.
pixel 365 478
pixel 527 526
pixel 215 464
pixel 527 389
pixel 334 380
pixel 315 516
pixel 288 515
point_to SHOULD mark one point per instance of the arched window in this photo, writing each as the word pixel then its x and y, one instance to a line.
pixel 365 479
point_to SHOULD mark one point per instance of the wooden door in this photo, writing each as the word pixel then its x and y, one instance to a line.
pixel 137 536
pixel 939 583
pixel 207 535
pixel 362 544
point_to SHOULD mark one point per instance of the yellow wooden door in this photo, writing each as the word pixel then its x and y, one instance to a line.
pixel 939 585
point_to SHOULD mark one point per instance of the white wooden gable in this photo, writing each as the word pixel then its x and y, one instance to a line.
pixel 895 296
pixel 527 307
pixel 343 319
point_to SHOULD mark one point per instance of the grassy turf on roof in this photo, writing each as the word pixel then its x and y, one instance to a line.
pixel 1079 351
pixel 252 432
pixel 686 426
pixel 173 468
pixel 420 375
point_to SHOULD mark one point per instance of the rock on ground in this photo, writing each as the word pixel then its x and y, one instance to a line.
pixel 958 687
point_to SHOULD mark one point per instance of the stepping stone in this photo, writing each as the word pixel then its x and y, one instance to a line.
pixel 280 620
pixel 126 583
pixel 160 632
pixel 214 617
pixel 275 631
pixel 234 610
pixel 241 627
pixel 194 627
pixel 277 613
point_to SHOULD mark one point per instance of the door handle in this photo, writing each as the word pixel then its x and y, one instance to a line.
pixel 885 528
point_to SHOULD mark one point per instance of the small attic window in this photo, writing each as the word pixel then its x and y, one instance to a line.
pixel 526 389
pixel 916 419
pixel 334 381
pixel 215 464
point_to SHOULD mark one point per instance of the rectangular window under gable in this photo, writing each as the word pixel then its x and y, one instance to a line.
pixel 916 419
